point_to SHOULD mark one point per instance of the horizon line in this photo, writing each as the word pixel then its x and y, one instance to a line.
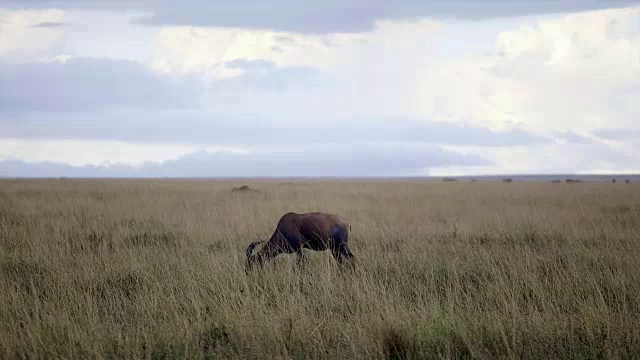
pixel 327 177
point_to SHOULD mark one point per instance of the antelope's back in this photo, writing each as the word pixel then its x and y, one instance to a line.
pixel 321 224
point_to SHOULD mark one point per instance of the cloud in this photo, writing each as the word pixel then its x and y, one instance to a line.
pixel 372 74
pixel 82 84
pixel 576 72
pixel 572 138
pixel 337 160
pixel 528 92
pixel 615 134
pixel 22 36
pixel 273 89
pixel 211 50
pixel 559 158
pixel 566 73
pixel 89 152
pixel 251 65
pixel 267 76
pixel 317 17
pixel 249 129
pixel 49 24
pixel 265 105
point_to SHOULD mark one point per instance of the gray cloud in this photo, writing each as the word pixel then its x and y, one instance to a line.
pixel 341 160
pixel 599 156
pixel 83 84
pixel 86 84
pixel 263 77
pixel 206 127
pixel 266 105
pixel 318 16
pixel 49 24
pixel 573 138
pixel 251 64
pixel 283 39
pixel 615 134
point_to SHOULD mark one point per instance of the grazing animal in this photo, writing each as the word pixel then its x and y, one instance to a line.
pixel 244 188
pixel 316 231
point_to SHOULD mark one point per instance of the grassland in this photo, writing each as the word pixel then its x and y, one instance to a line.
pixel 155 269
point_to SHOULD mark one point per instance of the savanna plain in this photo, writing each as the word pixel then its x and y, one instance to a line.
pixel 155 269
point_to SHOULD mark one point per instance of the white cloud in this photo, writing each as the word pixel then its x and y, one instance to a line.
pixel 226 150
pixel 363 74
pixel 348 159
pixel 107 34
pixel 628 171
pixel 91 84
pixel 199 49
pixel 556 76
pixel 318 16
pixel 21 37
pixel 559 158
pixel 577 72
pixel 35 35
pixel 90 152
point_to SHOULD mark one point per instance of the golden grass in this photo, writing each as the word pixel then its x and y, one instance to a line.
pixel 155 269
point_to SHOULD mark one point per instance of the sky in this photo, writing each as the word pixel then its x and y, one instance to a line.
pixel 150 88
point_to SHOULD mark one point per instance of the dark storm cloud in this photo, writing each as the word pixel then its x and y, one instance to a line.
pixel 89 84
pixel 339 160
pixel 318 16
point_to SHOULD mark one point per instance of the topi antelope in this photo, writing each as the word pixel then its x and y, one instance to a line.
pixel 315 231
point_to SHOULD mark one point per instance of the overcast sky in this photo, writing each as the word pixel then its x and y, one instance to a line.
pixel 331 88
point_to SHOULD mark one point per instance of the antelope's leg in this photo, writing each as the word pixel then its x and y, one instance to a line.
pixel 345 252
pixel 301 257
pixel 340 248
pixel 340 252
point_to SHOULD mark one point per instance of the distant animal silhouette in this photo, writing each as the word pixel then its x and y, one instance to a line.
pixel 244 188
pixel 295 232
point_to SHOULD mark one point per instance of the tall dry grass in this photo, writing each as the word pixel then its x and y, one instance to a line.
pixel 155 269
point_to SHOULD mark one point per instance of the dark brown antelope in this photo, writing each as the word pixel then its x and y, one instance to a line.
pixel 315 231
